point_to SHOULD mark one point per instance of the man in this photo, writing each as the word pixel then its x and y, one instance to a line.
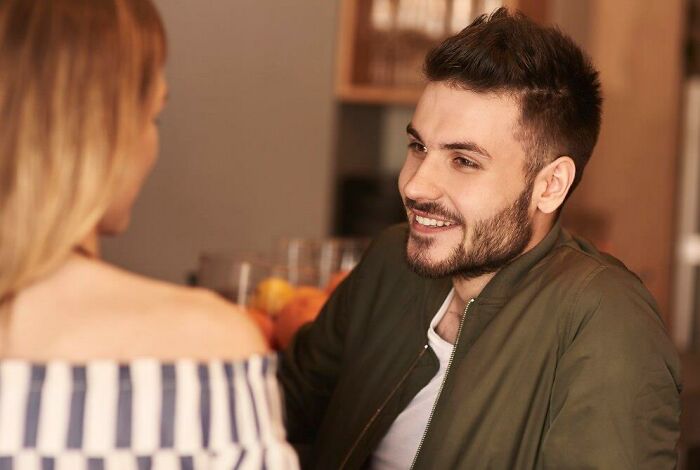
pixel 483 335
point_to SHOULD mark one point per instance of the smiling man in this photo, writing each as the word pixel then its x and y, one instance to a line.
pixel 483 335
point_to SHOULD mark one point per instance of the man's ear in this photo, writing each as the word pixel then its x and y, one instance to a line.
pixel 553 183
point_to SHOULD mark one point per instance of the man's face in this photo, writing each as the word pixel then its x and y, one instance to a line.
pixel 463 184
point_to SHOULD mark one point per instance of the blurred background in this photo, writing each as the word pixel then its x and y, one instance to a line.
pixel 286 121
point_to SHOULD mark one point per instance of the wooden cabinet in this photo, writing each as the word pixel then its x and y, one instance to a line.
pixel 382 43
pixel 626 203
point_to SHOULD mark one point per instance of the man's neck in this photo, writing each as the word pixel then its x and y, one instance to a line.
pixel 467 289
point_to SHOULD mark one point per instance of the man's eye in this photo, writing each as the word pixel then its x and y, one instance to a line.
pixel 463 162
pixel 417 147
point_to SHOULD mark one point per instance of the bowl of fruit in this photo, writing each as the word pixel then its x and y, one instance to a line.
pixel 283 291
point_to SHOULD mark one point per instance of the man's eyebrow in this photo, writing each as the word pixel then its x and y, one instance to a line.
pixel 467 145
pixel 410 130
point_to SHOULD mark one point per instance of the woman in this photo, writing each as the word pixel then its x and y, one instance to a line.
pixel 101 368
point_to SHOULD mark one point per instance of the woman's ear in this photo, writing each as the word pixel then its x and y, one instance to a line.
pixel 553 183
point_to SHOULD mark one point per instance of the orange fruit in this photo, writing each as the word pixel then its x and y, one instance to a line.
pixel 304 307
pixel 335 280
pixel 271 295
pixel 264 322
pixel 306 291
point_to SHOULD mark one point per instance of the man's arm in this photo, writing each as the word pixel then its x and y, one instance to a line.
pixel 615 400
pixel 310 366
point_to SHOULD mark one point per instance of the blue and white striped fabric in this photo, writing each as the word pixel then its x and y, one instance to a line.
pixel 145 414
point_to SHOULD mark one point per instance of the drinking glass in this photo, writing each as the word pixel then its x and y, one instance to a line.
pixel 232 275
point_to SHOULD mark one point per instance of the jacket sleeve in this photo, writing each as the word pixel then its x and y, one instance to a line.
pixel 309 369
pixel 615 400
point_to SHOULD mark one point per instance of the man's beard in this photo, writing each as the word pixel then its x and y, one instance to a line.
pixel 496 241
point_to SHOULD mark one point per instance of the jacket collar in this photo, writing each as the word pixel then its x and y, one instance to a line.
pixel 502 285
pixel 506 280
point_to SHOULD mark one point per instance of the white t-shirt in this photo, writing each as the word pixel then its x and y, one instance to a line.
pixel 399 446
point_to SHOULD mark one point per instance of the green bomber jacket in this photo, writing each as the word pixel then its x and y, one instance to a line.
pixel 562 363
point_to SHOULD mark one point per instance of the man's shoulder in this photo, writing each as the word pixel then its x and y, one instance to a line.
pixel 388 248
pixel 592 283
pixel 392 238
pixel 577 265
pixel 609 304
pixel 384 274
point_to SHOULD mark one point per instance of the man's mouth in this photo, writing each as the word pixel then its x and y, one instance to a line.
pixel 428 223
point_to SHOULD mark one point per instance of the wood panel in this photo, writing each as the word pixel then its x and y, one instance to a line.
pixel 629 188
pixel 352 82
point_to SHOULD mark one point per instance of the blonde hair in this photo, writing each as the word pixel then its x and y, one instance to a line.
pixel 76 80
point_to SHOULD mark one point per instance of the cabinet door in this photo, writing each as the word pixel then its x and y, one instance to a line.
pixel 687 285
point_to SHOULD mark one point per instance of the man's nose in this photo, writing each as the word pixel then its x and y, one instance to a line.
pixel 424 184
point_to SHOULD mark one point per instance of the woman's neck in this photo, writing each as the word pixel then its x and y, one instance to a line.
pixel 89 246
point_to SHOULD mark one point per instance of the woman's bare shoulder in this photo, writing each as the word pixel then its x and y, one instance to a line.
pixel 193 322
pixel 211 325
pixel 95 310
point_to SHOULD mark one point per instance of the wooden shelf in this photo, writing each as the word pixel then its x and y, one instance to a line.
pixel 354 83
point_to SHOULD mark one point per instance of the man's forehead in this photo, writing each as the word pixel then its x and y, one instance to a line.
pixel 446 114
pixel 448 104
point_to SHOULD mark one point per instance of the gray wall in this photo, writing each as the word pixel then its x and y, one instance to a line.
pixel 246 154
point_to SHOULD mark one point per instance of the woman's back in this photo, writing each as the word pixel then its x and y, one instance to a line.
pixel 100 368
pixel 92 378
pixel 141 414
pixel 90 310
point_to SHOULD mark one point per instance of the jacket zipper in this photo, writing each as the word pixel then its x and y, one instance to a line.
pixel 381 407
pixel 442 385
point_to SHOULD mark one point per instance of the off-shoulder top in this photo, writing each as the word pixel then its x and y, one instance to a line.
pixel 142 414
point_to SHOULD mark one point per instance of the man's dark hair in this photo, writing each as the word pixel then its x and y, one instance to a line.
pixel 553 80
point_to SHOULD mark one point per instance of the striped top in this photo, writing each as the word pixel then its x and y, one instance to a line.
pixel 144 414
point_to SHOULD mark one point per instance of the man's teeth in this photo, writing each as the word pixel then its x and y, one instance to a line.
pixel 432 222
